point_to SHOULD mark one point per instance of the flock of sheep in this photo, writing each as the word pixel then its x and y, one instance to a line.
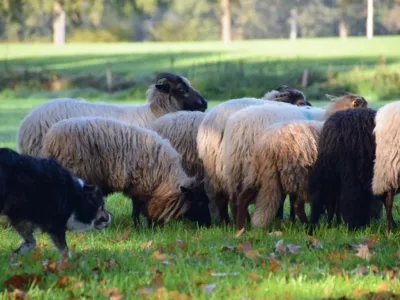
pixel 174 159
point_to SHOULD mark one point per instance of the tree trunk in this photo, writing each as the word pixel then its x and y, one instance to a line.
pixel 293 24
pixel 58 24
pixel 370 19
pixel 226 21
pixel 343 33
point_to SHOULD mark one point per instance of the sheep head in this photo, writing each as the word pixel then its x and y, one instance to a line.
pixel 290 95
pixel 179 88
pixel 197 203
pixel 346 101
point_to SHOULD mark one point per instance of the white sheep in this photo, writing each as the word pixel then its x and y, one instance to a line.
pixel 171 93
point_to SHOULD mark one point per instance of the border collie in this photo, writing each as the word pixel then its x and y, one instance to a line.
pixel 38 193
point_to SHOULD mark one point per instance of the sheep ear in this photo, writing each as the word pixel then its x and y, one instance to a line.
pixel 331 97
pixel 357 102
pixel 165 87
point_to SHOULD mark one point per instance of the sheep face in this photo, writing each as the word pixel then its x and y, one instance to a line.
pixel 349 100
pixel 292 96
pixel 197 205
pixel 179 88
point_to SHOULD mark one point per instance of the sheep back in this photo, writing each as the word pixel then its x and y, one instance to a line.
pixel 181 130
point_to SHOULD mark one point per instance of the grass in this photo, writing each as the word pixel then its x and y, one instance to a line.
pixel 219 71
pixel 205 263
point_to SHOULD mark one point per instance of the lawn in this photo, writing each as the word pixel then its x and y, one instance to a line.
pixel 181 260
pixel 219 71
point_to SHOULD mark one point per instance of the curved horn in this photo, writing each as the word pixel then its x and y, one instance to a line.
pixel 169 76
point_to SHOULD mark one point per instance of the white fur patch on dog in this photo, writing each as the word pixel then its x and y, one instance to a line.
pixel 81 182
pixel 75 225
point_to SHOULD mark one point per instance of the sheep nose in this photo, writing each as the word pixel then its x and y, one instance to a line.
pixel 201 101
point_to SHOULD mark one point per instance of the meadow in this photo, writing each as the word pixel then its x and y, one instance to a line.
pixel 182 261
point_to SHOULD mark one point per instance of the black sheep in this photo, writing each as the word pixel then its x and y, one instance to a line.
pixel 342 175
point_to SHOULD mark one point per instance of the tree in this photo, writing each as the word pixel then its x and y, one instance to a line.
pixel 370 19
pixel 226 22
pixel 59 23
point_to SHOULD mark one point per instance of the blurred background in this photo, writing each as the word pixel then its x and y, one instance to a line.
pixel 113 49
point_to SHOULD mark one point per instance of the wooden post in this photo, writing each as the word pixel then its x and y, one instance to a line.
pixel 293 24
pixel 304 79
pixel 226 21
pixel 58 24
pixel 109 77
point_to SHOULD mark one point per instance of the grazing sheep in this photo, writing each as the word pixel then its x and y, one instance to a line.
pixel 127 158
pixel 39 193
pixel 181 129
pixel 386 177
pixel 342 175
pixel 171 93
pixel 245 126
pixel 209 138
pixel 282 159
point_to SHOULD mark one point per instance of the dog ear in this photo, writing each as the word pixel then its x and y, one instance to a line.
pixel 90 189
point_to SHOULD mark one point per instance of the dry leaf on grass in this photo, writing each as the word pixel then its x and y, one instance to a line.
pixel 227 248
pixel 275 233
pixel 22 280
pixel 273 265
pixel 147 245
pixel 370 242
pixel 280 247
pixel 210 287
pixel 17 294
pixel 113 293
pixel 181 244
pixel 314 243
pixel 159 256
pixel 124 236
pixel 363 252
pixel 158 280
pixel 253 276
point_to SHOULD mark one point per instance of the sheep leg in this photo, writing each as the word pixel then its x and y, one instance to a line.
pixel 299 209
pixel 223 209
pixel 279 214
pixel 389 206
pixel 136 210
pixel 243 203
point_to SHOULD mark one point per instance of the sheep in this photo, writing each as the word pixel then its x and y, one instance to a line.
pixel 287 94
pixel 170 93
pixel 245 126
pixel 341 178
pixel 120 157
pixel 209 137
pixel 386 177
pixel 181 129
pixel 282 159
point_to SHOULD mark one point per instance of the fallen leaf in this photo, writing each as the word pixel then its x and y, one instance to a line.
pixel 293 248
pixel 253 276
pixel 369 241
pixel 374 269
pixel 314 243
pixel 147 245
pixel 239 233
pixel 252 254
pixel 145 291
pixel 159 256
pixel 157 280
pixel 109 263
pixel 113 293
pixel 181 244
pixel 17 294
pixel 178 296
pixel 246 246
pixel 49 265
pixel 21 281
pixel 124 236
pixel 383 287
pixel 280 247
pixel 363 252
pixel 161 293
pixel 210 287
pixel 198 254
pixel 273 265
pixel 362 271
pixel 359 292
pixel 36 256
pixel 62 281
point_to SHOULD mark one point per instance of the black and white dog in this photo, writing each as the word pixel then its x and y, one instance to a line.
pixel 38 193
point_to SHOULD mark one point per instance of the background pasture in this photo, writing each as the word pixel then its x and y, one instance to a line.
pixel 181 259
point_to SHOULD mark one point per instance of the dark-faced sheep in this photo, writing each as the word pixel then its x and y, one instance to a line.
pixel 170 93
pixel 126 158
pixel 342 175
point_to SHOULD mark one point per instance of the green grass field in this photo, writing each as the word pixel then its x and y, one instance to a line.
pixel 182 261
pixel 219 71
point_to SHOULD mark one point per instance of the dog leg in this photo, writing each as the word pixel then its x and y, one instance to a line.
pixel 25 230
pixel 58 239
